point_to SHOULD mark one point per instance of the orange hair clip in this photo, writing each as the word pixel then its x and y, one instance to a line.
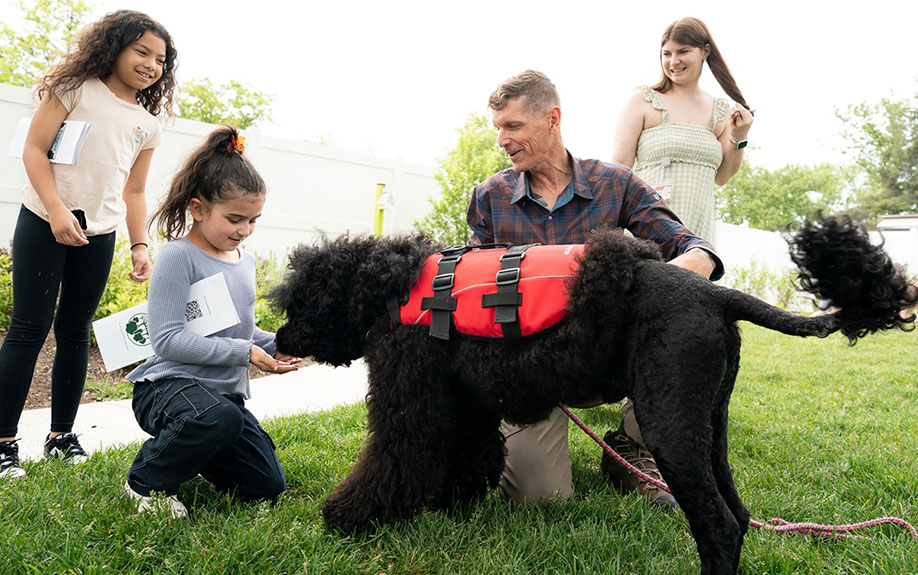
pixel 236 144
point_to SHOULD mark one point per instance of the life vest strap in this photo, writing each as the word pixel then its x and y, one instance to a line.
pixel 443 304
pixel 507 300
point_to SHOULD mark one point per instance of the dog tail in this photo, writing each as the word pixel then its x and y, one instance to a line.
pixel 838 264
pixel 742 306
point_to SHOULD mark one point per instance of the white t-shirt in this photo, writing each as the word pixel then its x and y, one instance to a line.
pixel 118 132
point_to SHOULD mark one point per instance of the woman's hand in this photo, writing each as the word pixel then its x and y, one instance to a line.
pixel 740 122
pixel 284 363
pixel 737 129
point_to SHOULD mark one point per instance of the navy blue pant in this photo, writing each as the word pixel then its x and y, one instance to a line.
pixel 41 268
pixel 198 431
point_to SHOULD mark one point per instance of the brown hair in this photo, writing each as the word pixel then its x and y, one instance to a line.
pixel 217 170
pixel 693 32
pixel 93 55
pixel 539 91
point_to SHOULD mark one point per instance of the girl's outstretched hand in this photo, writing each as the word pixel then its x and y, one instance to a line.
pixel 283 357
pixel 260 359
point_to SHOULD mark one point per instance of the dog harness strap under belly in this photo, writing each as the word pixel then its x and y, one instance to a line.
pixel 480 294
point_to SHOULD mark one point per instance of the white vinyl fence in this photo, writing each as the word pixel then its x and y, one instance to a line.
pixel 315 189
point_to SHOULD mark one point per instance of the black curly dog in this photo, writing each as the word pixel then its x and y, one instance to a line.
pixel 636 327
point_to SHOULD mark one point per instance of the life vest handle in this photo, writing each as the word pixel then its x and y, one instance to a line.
pixel 463 249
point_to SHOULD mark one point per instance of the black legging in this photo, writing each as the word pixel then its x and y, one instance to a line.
pixel 41 267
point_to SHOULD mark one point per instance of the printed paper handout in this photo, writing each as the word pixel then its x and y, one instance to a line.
pixel 66 146
pixel 124 337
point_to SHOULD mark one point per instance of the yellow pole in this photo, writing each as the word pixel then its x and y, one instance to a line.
pixel 377 221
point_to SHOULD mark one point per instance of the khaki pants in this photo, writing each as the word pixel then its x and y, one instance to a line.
pixel 538 463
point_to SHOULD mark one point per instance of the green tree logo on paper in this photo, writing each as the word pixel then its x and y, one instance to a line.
pixel 137 331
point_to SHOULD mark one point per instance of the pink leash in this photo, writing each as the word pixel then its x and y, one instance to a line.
pixel 776 525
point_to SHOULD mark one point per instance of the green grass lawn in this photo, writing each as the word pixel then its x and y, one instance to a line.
pixel 820 432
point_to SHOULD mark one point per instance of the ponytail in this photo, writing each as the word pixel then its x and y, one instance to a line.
pixel 724 77
pixel 214 172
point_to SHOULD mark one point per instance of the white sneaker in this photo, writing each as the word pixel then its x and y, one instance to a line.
pixel 9 461
pixel 157 503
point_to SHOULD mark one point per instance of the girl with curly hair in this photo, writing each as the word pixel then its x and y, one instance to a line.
pixel 119 76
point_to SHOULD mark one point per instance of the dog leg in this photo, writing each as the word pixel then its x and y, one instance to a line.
pixel 685 465
pixel 721 466
pixel 723 475
pixel 477 454
pixel 411 429
pixel 673 403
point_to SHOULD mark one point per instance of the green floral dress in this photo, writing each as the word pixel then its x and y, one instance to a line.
pixel 680 161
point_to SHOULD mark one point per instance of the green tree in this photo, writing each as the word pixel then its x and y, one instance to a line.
pixel 25 55
pixel 475 157
pixel 770 200
pixel 232 103
pixel 883 138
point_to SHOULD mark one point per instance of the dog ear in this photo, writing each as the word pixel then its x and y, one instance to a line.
pixel 390 267
pixel 393 264
pixel 316 297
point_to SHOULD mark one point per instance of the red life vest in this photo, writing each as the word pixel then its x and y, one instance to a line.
pixel 540 275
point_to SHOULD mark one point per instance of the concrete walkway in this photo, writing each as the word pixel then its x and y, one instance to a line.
pixel 110 423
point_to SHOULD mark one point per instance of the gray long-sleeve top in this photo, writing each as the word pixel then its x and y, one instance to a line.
pixel 219 361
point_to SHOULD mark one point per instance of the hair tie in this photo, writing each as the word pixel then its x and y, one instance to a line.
pixel 237 144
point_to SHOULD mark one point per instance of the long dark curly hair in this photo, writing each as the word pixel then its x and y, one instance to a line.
pixel 93 55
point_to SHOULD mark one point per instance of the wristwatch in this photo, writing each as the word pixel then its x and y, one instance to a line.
pixel 739 145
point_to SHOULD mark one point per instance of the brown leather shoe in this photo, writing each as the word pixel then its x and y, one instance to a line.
pixel 626 481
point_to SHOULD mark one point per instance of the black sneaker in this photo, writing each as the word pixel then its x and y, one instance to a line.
pixel 65 446
pixel 622 477
pixel 9 460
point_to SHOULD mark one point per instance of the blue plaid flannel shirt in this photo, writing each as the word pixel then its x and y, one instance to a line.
pixel 604 195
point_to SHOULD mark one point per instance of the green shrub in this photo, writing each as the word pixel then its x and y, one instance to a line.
pixel 121 292
pixel 6 289
pixel 269 271
pixel 777 288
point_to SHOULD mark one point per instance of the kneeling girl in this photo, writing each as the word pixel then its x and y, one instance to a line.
pixel 190 396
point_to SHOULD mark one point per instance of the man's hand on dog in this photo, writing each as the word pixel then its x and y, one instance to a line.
pixel 696 260
pixel 280 363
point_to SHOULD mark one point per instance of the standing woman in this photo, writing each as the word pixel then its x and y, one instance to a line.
pixel 680 139
pixel 118 77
